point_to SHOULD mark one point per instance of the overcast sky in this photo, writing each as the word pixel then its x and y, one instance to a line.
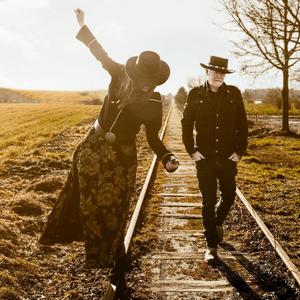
pixel 39 49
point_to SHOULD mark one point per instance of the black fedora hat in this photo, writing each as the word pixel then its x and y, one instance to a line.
pixel 218 64
pixel 148 65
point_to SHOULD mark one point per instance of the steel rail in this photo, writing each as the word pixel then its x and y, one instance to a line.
pixel 143 192
pixel 111 289
pixel 275 244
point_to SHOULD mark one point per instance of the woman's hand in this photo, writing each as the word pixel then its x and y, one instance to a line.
pixel 80 16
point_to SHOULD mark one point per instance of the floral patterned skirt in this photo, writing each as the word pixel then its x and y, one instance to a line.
pixel 93 205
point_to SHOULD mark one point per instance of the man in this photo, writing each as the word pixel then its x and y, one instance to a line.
pixel 218 114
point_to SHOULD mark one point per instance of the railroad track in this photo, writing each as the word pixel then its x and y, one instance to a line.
pixel 177 269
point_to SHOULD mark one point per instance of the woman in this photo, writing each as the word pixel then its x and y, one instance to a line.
pixel 93 205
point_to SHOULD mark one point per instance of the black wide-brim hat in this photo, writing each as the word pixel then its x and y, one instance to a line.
pixel 147 67
pixel 218 64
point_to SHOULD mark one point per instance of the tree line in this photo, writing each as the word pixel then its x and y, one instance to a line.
pixel 271 96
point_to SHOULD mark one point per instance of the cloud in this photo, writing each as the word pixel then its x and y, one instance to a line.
pixel 37 39
pixel 21 6
pixel 11 41
pixel 7 82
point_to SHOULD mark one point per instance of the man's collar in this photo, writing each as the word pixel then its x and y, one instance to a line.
pixel 205 88
pixel 220 89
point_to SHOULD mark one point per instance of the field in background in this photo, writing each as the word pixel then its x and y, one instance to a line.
pixel 67 97
pixel 269 177
pixel 36 146
pixel 268 109
pixel 24 127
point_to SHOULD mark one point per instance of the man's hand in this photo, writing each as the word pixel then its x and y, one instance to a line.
pixel 172 164
pixel 80 16
pixel 234 157
pixel 196 156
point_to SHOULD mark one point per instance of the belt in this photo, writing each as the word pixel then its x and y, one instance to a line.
pixel 99 129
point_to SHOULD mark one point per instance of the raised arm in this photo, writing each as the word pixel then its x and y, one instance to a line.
pixel 85 36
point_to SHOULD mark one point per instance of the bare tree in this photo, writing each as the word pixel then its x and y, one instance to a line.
pixel 271 39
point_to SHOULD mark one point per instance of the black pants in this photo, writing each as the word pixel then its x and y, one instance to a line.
pixel 209 172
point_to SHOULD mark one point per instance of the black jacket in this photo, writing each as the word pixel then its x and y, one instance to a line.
pixel 146 111
pixel 220 122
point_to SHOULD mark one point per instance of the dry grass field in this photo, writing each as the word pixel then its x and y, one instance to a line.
pixel 37 142
pixel 66 97
pixel 269 109
pixel 269 177
pixel 25 127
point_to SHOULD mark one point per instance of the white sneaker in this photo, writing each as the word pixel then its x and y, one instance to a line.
pixel 211 255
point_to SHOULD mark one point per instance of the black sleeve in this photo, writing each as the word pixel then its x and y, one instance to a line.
pixel 187 123
pixel 153 126
pixel 242 126
pixel 156 144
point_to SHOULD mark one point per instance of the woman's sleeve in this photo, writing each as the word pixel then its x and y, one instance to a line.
pixel 86 37
pixel 153 126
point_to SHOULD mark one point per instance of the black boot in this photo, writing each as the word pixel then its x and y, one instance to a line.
pixel 121 266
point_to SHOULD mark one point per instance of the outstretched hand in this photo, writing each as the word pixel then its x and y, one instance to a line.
pixel 80 16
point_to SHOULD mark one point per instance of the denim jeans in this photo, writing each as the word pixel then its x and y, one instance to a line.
pixel 210 171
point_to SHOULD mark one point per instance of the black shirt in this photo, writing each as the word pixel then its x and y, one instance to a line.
pixel 135 112
pixel 220 121
pixel 130 119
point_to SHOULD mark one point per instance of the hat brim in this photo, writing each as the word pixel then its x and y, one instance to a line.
pixel 220 70
pixel 160 77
